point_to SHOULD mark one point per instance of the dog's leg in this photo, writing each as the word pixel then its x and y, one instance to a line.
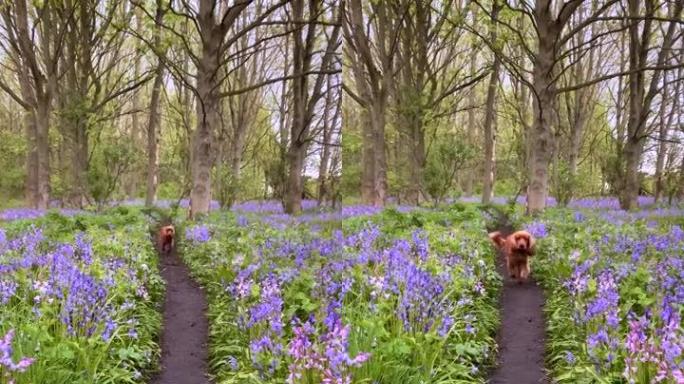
pixel 511 267
pixel 525 269
pixel 515 271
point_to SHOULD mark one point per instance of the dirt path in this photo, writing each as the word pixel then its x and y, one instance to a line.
pixel 521 337
pixel 184 335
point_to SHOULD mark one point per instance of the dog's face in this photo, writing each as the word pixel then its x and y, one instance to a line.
pixel 166 233
pixel 521 242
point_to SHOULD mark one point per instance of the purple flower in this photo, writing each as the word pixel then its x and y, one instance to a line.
pixel 537 229
pixel 198 234
pixel 569 357
pixel 6 355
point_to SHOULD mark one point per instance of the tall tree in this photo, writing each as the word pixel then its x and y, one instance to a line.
pixel 490 115
pixel 641 47
pixel 370 35
pixel 208 47
pixel 304 99
pixel 33 43
pixel 154 118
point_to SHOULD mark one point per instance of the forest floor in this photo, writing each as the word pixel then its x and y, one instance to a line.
pixel 521 336
pixel 184 335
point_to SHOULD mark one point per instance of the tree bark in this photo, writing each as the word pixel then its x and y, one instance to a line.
pixel 542 140
pixel 207 121
pixel 490 116
pixel 472 127
pixel 329 125
pixel 154 119
pixel 301 60
pixel 153 138
pixel 379 160
pixel 662 147
pixel 680 190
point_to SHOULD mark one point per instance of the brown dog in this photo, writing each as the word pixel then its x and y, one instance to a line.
pixel 517 247
pixel 166 238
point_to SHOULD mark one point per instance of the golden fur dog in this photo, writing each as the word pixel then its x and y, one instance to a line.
pixel 517 248
pixel 166 238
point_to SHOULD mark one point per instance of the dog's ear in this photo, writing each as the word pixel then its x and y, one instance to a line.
pixel 497 239
pixel 531 244
pixel 529 239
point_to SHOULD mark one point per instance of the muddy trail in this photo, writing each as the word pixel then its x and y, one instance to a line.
pixel 184 334
pixel 521 336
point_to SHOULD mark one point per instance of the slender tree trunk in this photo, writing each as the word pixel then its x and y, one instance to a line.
pixel 490 116
pixel 472 125
pixel 80 165
pixel 665 124
pixel 368 158
pixel 472 128
pixel 662 148
pixel 328 128
pixel 43 153
pixel 153 139
pixel 323 168
pixel 31 184
pixel 379 159
pixel 680 190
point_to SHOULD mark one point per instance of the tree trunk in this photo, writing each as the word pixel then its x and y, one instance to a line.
pixel 374 168
pixel 542 141
pixel 416 156
pixel 43 154
pixel 662 149
pixel 472 128
pixel 632 159
pixel 680 190
pixel 295 185
pixel 207 121
pixel 31 184
pixel 80 163
pixel 152 138
pixel 368 158
pixel 490 116
pixel 472 131
pixel 328 128
pixel 665 124
pixel 379 160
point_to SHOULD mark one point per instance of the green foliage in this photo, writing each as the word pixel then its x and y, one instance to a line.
pixel 226 184
pixel 134 292
pixel 446 159
pixel 599 276
pixel 398 355
pixel 12 155
pixel 107 167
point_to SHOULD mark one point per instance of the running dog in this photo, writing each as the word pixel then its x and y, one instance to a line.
pixel 517 248
pixel 166 239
